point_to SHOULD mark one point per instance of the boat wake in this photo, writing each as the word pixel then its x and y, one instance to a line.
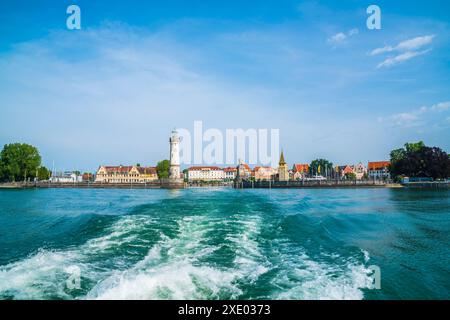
pixel 192 257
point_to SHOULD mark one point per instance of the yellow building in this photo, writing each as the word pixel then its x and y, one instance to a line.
pixel 283 171
pixel 126 174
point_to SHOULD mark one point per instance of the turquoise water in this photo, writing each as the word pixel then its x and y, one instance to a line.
pixel 224 244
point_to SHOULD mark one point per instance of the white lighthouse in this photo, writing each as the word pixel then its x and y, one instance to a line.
pixel 174 170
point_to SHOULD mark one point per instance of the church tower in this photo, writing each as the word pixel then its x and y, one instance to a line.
pixel 283 172
pixel 174 169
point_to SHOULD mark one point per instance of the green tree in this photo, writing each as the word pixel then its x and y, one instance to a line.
pixel 162 169
pixel 350 176
pixel 19 161
pixel 414 147
pixel 418 160
pixel 44 173
pixel 185 175
pixel 397 155
pixel 321 167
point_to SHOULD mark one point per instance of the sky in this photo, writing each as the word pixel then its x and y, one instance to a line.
pixel 112 92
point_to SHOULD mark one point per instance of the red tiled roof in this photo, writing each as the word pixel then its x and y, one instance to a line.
pixel 348 169
pixel 301 167
pixel 230 169
pixel 345 169
pixel 87 176
pixel 377 165
pixel 147 170
pixel 120 169
pixel 126 169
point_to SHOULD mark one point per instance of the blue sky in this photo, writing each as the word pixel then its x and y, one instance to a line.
pixel 111 92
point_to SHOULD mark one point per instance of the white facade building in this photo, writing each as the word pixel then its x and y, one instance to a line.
pixel 66 177
pixel 359 170
pixel 230 173
pixel 379 170
pixel 205 174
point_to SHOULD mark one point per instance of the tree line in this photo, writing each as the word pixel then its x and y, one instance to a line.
pixel 418 160
pixel 21 162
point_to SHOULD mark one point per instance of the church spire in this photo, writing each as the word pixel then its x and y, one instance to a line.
pixel 282 162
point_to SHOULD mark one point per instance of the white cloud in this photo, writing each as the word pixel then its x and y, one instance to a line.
pixel 404 118
pixel 418 116
pixel 391 61
pixel 415 43
pixel 381 50
pixel 442 106
pixel 341 37
pixel 353 32
pixel 136 82
pixel 407 45
pixel 337 38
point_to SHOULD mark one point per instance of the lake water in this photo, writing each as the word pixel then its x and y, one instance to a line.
pixel 224 244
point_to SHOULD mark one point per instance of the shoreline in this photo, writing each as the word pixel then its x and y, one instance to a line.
pixel 83 185
pixel 240 185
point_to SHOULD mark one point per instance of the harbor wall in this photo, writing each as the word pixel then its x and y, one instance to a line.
pixel 312 184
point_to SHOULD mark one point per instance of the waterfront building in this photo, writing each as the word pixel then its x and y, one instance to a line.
pixel 341 171
pixel 66 177
pixel 205 173
pixel 264 173
pixel 300 171
pixel 87 177
pixel 230 173
pixel 243 170
pixel 126 174
pixel 283 171
pixel 379 170
pixel 360 171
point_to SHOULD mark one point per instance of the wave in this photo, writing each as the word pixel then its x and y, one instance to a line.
pixel 199 256
pixel 329 276
pixel 43 275
pixel 173 268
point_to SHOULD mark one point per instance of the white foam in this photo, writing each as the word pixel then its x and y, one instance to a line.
pixel 44 274
pixel 37 277
pixel 175 266
pixel 177 280
pixel 172 270
pixel 303 278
